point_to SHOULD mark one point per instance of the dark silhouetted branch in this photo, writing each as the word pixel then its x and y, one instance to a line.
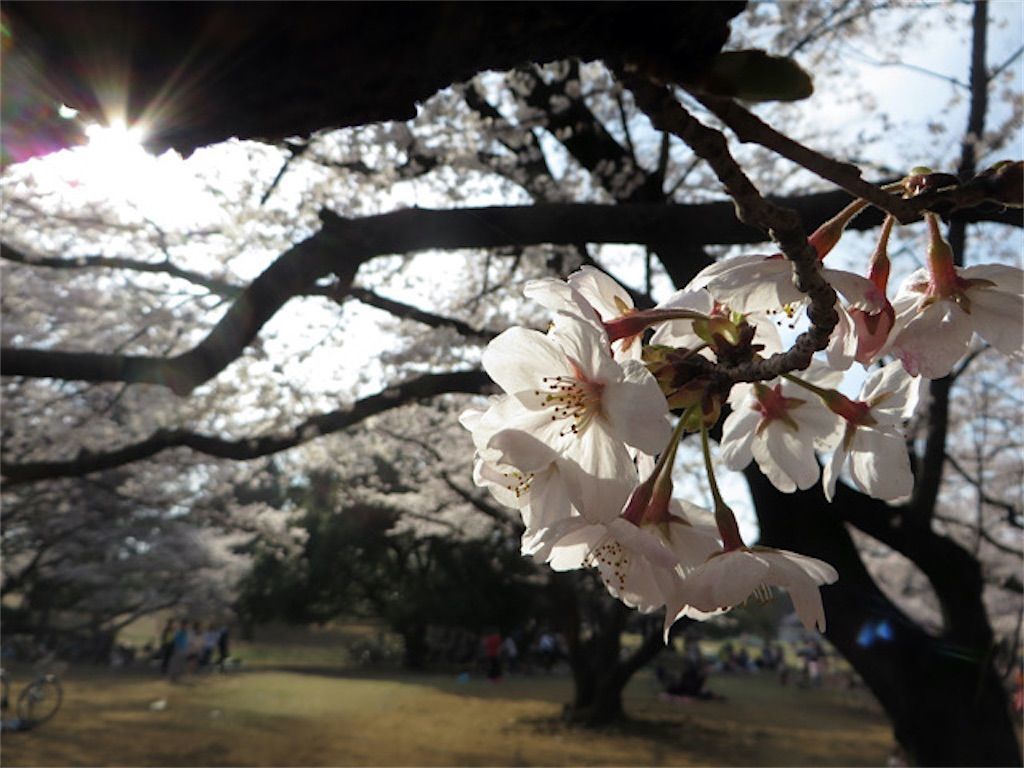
pixel 20 256
pixel 425 386
pixel 342 245
pixel 409 312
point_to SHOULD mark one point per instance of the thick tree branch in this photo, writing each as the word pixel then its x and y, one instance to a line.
pixel 428 385
pixel 573 123
pixel 342 245
pixel 356 64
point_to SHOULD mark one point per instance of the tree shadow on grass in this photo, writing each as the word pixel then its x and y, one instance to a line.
pixel 555 688
pixel 670 732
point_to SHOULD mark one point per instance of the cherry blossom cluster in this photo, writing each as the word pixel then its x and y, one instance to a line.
pixel 582 441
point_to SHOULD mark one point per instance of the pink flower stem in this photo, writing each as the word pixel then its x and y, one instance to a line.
pixel 878 271
pixel 826 236
pixel 854 411
pixel 656 490
pixel 728 529
pixel 940 260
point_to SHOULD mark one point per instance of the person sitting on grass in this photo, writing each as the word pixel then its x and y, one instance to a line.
pixel 690 683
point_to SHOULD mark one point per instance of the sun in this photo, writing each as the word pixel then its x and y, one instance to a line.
pixel 114 158
pixel 116 139
pixel 115 166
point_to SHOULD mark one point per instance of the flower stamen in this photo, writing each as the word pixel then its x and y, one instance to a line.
pixel 571 398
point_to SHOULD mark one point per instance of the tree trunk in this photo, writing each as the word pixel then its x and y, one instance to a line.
pixel 942 693
pixel 599 674
pixel 414 638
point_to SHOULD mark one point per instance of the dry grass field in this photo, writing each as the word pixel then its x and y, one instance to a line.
pixel 311 714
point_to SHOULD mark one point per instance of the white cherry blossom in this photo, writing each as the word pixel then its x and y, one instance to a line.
pixel 937 317
pixel 571 396
pixel 539 491
pixel 728 579
pixel 779 425
pixel 640 564
pixel 765 283
pixel 612 303
pixel 602 302
pixel 873 440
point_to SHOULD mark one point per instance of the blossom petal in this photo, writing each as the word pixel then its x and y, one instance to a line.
pixel 801 576
pixel 880 466
pixel 738 434
pixel 999 319
pixel 933 340
pixel 636 409
pixel 600 291
pixel 831 472
pixel 517 360
pixel 723 581
pixel 557 296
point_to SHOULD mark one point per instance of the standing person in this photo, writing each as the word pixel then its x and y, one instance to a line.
pixel 210 638
pixel 166 645
pixel 510 651
pixel 548 651
pixel 195 646
pixel 223 650
pixel 179 652
pixel 492 651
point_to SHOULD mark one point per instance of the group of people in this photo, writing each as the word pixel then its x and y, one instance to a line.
pixel 185 646
pixel 516 653
pixel 730 659
pixel 692 677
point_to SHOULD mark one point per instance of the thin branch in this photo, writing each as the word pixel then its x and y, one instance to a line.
pixel 1013 509
pixel 495 513
pixel 818 29
pixel 1009 60
pixel 296 149
pixel 782 224
pixel 624 121
pixel 964 364
pixel 663 158
pixel 983 534
pixel 425 386
pixel 908 66
pixel 20 256
pixel 409 312
pixel 749 128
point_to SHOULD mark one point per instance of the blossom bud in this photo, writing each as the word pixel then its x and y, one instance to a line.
pixel 922 179
pixel 826 236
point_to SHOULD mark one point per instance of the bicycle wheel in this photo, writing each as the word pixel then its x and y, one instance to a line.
pixel 40 700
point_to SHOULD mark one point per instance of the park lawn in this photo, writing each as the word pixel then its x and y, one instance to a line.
pixel 313 716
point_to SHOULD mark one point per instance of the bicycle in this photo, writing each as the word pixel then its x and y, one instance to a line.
pixel 37 702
